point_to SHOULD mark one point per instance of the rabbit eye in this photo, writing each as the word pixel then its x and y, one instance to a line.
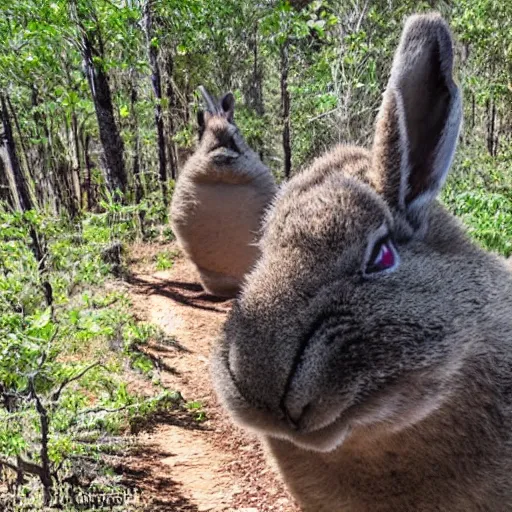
pixel 383 257
pixel 232 145
pixel 224 156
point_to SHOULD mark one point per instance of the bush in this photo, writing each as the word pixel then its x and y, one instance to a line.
pixel 62 354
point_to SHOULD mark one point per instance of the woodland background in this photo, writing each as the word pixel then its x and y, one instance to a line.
pixel 98 101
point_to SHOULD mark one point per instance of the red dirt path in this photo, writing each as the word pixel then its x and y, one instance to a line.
pixel 183 465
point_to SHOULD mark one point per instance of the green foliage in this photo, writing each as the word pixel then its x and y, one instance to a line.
pixel 165 260
pixel 64 361
pixel 196 407
pixel 480 192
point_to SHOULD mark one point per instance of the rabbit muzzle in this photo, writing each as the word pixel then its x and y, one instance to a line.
pixel 293 418
pixel 283 386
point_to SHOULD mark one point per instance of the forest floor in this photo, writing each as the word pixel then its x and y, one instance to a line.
pixel 182 464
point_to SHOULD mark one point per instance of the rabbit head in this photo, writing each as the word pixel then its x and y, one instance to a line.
pixel 221 145
pixel 355 313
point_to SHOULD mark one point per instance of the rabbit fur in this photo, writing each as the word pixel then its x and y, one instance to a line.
pixel 371 345
pixel 219 200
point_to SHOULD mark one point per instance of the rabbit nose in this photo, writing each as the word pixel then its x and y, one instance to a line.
pixel 294 411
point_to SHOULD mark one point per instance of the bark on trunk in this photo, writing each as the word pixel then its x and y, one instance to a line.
pixel 255 90
pixel 88 167
pixel 139 191
pixel 22 190
pixel 24 151
pixel 491 121
pixel 5 188
pixel 43 184
pixel 285 108
pixel 77 171
pixel 113 148
pixel 171 112
pixel 156 82
pixel 45 476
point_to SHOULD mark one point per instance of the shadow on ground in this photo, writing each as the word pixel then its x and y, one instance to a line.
pixel 150 478
pixel 177 415
pixel 189 294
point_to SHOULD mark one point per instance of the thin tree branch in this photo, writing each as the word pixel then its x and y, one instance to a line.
pixel 105 409
pixel 24 465
pixel 56 395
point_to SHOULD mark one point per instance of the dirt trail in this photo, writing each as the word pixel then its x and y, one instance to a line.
pixel 183 465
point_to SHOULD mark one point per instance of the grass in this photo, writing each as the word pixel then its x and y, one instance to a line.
pixel 196 407
pixel 165 260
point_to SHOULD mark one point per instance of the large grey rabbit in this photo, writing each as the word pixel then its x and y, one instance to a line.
pixel 371 346
pixel 219 200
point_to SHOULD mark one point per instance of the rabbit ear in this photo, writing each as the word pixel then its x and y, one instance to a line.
pixel 201 123
pixel 227 104
pixel 419 120
pixel 211 104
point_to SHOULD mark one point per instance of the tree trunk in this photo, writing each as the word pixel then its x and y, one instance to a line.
pixel 473 110
pixel 493 128
pixel 88 167
pixel 5 189
pixel 93 55
pixel 171 111
pixel 255 89
pixel 491 120
pixel 139 191
pixel 24 199
pixel 77 172
pixel 9 177
pixel 24 151
pixel 139 188
pixel 45 474
pixel 65 178
pixel 111 141
pixel 285 108
pixel 43 184
pixel 22 191
pixel 156 82
pixel 498 134
pixel 186 93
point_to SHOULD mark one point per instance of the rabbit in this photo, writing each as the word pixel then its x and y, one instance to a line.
pixel 219 201
pixel 371 345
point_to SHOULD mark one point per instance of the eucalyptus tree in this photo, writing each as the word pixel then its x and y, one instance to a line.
pixel 156 80
pixel 90 40
pixel 21 191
